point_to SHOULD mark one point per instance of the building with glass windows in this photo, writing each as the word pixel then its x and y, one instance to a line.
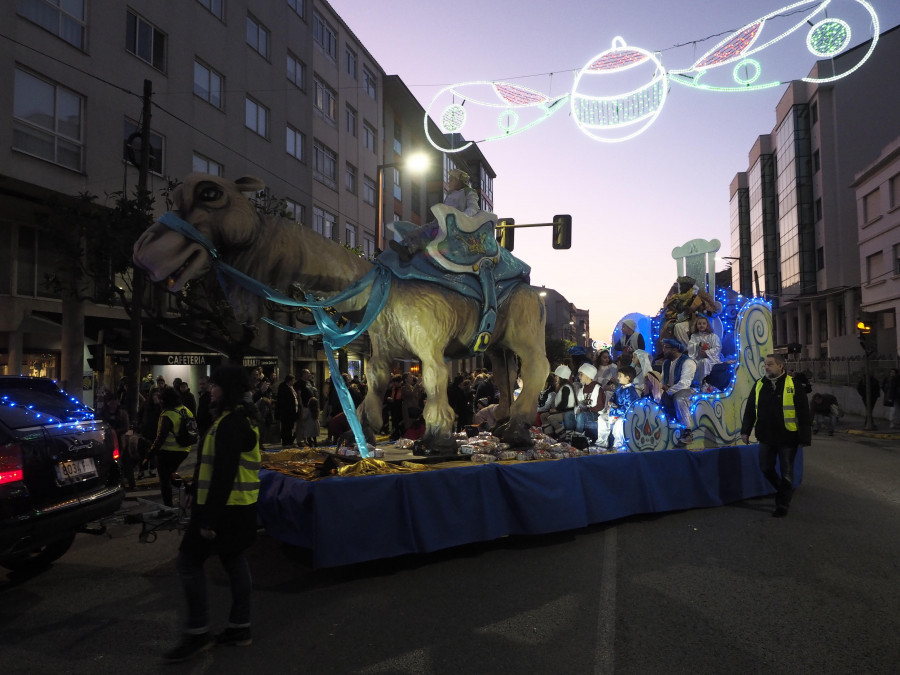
pixel 794 238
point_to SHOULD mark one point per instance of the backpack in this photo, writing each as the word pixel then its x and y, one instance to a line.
pixel 188 434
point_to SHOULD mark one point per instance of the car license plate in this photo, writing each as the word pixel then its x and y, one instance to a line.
pixel 75 470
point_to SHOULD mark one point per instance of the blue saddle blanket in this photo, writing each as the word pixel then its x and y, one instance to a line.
pixel 508 273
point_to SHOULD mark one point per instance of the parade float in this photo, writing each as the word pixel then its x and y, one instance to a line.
pixel 475 297
pixel 366 508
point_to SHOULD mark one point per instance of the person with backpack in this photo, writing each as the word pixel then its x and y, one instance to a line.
pixel 176 433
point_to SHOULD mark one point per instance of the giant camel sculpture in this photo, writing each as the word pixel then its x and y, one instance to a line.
pixel 419 320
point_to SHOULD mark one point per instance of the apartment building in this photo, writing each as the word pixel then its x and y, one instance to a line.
pixel 794 210
pixel 877 189
pixel 277 89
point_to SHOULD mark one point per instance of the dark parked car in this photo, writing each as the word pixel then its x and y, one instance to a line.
pixel 59 471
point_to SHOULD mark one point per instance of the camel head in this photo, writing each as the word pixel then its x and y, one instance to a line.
pixel 217 208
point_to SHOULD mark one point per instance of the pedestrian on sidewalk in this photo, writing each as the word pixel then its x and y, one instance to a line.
pixel 892 397
pixel 779 412
pixel 169 453
pixel 223 518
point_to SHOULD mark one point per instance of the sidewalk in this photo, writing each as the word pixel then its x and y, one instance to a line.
pixel 855 425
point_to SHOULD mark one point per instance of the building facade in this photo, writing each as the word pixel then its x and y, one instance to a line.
pixel 878 216
pixel 280 90
pixel 794 210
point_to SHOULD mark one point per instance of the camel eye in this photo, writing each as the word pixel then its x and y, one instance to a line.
pixel 210 193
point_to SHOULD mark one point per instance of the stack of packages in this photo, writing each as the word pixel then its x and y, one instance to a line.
pixel 487 448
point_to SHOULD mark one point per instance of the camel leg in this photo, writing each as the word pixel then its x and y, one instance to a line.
pixel 523 336
pixel 439 417
pixel 377 375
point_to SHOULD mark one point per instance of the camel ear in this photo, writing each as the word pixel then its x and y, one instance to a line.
pixel 250 184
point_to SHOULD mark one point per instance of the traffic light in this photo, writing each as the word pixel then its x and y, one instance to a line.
pixel 97 359
pixel 562 231
pixel 506 236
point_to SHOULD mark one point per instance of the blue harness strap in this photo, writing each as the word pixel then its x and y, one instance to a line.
pixel 333 336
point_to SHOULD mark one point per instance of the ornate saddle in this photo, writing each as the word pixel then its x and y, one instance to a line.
pixel 466 258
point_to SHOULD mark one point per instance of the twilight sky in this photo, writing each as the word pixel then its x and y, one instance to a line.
pixel 631 202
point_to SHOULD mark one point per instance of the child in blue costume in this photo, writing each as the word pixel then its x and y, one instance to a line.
pixel 621 398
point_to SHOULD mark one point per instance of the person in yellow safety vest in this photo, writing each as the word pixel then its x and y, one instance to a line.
pixel 223 518
pixel 780 414
pixel 169 454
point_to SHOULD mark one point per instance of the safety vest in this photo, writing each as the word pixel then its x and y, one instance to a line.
pixel 171 442
pixel 246 483
pixel 790 412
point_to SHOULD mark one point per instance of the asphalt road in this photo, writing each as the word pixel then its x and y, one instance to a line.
pixel 724 590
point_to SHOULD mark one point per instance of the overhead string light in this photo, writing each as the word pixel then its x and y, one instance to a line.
pixel 620 92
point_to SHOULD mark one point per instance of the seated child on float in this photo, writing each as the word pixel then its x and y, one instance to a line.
pixel 619 402
pixel 704 347
pixel 586 417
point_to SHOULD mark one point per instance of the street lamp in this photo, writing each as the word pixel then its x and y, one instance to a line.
pixel 417 163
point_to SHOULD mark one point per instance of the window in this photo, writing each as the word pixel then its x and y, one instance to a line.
pixel 145 41
pixel 896 259
pixel 133 147
pixel 64 19
pixel 894 187
pixel 323 222
pixel 368 246
pixel 296 71
pixel 350 235
pixel 325 100
pixel 814 112
pixel 258 37
pixel 350 178
pixel 295 211
pixel 214 6
pixel 295 140
pixel 350 57
pixel 817 209
pixel 256 117
pixel 398 192
pixel 325 163
pixel 48 120
pixel 369 136
pixel 816 162
pixel 208 84
pixel 297 6
pixel 203 164
pixel 874 267
pixel 325 36
pixel 369 190
pixel 350 121
pixel 820 258
pixel 872 206
pixel 398 134
pixel 369 82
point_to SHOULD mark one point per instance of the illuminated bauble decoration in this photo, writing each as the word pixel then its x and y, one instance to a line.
pixel 828 37
pixel 453 118
pixel 619 93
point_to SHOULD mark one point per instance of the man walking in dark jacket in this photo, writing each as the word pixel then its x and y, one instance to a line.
pixel 287 406
pixel 780 415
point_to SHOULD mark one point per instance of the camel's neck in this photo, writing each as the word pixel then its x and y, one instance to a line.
pixel 285 253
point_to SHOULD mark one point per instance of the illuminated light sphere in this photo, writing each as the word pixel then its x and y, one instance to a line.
pixel 619 93
pixel 828 37
pixel 747 72
pixel 508 120
pixel 453 118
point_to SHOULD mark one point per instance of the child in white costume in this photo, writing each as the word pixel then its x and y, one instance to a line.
pixel 704 347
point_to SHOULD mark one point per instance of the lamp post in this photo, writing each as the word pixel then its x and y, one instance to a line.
pixel 416 162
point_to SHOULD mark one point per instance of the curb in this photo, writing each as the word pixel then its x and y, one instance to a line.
pixel 875 434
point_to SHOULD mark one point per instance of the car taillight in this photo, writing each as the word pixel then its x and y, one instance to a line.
pixel 10 463
pixel 115 445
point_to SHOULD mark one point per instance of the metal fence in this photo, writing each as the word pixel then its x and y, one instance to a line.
pixel 842 372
